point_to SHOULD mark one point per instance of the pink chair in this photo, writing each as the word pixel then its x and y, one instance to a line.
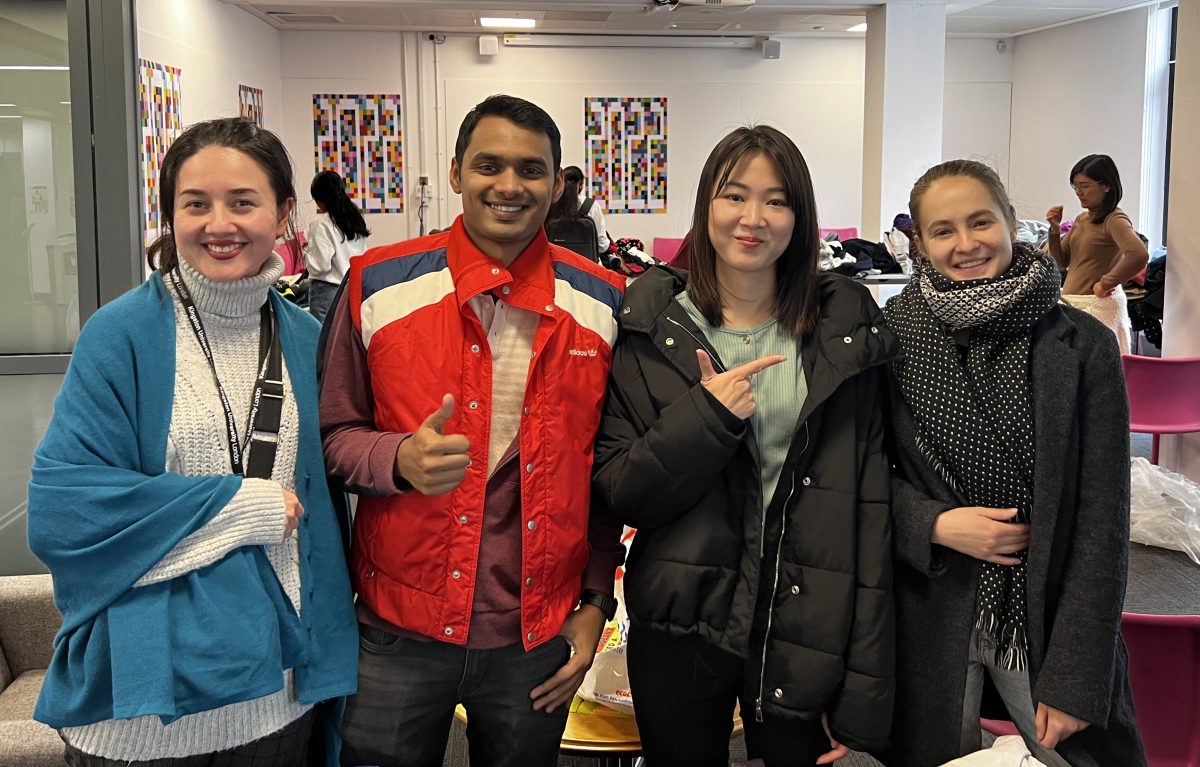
pixel 665 249
pixel 1164 395
pixel 1164 672
pixel 846 233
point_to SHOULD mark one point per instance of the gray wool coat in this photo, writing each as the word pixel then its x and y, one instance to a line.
pixel 1078 553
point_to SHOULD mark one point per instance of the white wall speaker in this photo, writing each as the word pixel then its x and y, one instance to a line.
pixel 489 45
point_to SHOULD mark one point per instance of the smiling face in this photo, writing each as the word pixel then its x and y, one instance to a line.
pixel 1089 191
pixel 750 222
pixel 507 181
pixel 227 217
pixel 963 232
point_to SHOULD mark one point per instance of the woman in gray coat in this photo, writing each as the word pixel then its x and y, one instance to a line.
pixel 1011 496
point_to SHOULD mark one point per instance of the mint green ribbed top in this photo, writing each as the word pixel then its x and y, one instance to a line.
pixel 779 391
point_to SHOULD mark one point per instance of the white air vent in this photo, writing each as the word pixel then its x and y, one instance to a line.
pixel 303 18
pixel 715 3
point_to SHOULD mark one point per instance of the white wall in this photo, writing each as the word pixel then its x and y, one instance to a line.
pixel 1077 90
pixel 342 62
pixel 977 102
pixel 813 92
pixel 218 47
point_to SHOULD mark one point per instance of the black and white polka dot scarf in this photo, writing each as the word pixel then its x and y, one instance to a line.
pixel 976 419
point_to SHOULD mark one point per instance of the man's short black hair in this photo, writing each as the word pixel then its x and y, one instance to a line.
pixel 522 112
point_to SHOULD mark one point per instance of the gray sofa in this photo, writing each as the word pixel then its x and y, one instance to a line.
pixel 28 622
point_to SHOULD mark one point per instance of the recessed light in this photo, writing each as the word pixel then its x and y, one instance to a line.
pixel 31 68
pixel 10 117
pixel 498 22
pixel 65 103
pixel 858 27
pixel 7 105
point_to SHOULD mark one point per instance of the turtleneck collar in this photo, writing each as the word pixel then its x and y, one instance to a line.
pixel 238 298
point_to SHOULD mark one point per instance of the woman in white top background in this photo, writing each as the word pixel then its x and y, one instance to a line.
pixel 337 233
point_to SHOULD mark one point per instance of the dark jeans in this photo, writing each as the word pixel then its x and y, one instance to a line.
pixel 407 690
pixel 286 748
pixel 684 691
pixel 320 298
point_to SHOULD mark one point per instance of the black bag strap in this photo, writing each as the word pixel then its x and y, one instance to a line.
pixel 586 206
pixel 266 403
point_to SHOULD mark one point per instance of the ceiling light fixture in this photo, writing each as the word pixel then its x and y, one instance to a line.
pixel 858 27
pixel 31 68
pixel 499 22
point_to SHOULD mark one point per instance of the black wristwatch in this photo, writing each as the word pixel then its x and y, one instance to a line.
pixel 606 603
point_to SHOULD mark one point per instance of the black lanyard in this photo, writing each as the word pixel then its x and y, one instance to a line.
pixel 266 404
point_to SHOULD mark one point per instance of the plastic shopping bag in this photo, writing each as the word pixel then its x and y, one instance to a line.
pixel 1007 751
pixel 1164 509
pixel 607 681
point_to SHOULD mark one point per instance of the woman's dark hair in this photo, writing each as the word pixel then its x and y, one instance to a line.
pixel 328 189
pixel 796 304
pixel 567 205
pixel 970 169
pixel 239 133
pixel 524 113
pixel 1101 169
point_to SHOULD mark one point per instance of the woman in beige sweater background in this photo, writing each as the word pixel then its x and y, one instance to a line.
pixel 1102 251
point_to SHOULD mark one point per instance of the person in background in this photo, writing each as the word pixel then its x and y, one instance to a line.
pixel 337 233
pixel 575 203
pixel 1010 499
pixel 464 375
pixel 743 438
pixel 1103 251
pixel 179 496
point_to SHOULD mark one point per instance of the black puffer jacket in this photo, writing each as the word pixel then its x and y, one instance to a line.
pixel 812 614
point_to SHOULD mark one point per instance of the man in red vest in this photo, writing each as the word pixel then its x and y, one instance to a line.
pixel 464 377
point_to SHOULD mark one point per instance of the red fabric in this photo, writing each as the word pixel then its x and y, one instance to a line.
pixel 422 344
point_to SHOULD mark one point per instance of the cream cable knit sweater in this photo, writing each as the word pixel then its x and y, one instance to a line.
pixel 253 517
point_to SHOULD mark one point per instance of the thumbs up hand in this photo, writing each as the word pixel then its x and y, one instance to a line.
pixel 732 388
pixel 432 461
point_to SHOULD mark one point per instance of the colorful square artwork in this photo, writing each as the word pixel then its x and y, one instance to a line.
pixel 159 89
pixel 625 153
pixel 250 103
pixel 361 137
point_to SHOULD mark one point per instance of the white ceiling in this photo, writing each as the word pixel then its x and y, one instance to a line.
pixel 781 18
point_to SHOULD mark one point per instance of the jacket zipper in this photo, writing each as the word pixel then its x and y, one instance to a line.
pixel 712 354
pixel 762 673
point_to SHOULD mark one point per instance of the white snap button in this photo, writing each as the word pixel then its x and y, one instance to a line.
pixel 529 581
pixel 529 468
pixel 745 339
pixel 778 693
pixel 455 575
pixel 669 342
pixel 475 348
pixel 806 481
pixel 526 411
pixel 495 270
pixel 532 525
pixel 506 290
pixel 847 339
pixel 626 310
pixel 473 405
pixel 875 331
pixel 549 307
pixel 531 636
pixel 462 519
pixel 795 589
pixel 448 631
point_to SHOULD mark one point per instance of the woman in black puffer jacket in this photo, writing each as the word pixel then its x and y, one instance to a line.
pixel 743 437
